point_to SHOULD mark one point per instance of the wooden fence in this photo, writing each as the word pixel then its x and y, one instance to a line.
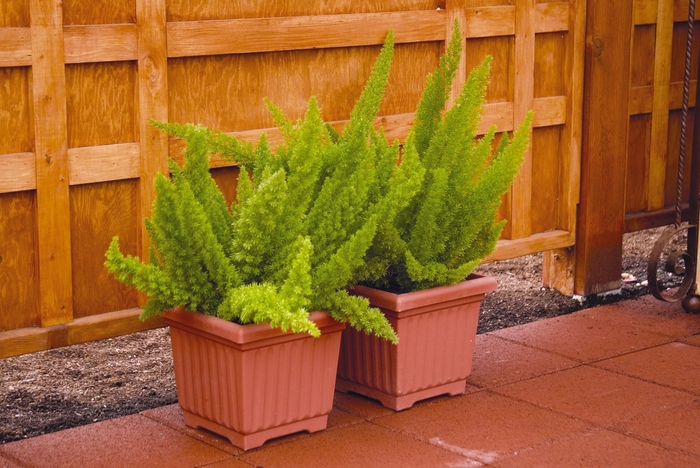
pixel 635 60
pixel 79 80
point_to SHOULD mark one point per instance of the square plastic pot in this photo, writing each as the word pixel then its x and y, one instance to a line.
pixel 252 383
pixel 437 331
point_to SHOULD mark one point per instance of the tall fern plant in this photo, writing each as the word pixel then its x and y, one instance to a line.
pixel 451 224
pixel 297 235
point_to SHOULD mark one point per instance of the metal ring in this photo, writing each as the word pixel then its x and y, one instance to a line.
pixel 671 265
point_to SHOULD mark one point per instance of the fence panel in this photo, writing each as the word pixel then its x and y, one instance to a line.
pixel 79 83
pixel 660 28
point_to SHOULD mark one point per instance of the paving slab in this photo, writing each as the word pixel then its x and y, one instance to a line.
pixel 171 416
pixel 693 340
pixel 601 448
pixel 131 441
pixel 584 339
pixel 6 462
pixel 650 314
pixel 358 405
pixel 673 364
pixel 596 395
pixel 483 426
pixel 677 427
pixel 364 444
pixel 499 362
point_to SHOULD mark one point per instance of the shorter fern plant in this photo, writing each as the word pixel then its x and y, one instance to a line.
pixel 298 233
pixel 451 224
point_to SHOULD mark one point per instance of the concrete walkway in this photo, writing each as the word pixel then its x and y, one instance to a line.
pixel 616 386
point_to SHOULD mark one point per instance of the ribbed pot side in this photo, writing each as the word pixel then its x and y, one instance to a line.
pixel 253 383
pixel 437 331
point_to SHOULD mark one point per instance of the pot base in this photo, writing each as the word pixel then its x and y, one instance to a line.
pixel 255 439
pixel 402 402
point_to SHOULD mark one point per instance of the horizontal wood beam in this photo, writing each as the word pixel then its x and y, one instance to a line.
pixel 645 12
pixel 642 97
pixel 100 43
pixel 119 42
pixel 15 47
pixel 242 36
pixel 18 172
pixel 103 163
pixel 551 17
pixel 652 219
pixel 81 330
pixel 507 249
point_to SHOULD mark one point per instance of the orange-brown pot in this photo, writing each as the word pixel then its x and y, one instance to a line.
pixel 252 383
pixel 436 329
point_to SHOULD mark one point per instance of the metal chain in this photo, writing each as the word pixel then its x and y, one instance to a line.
pixel 684 112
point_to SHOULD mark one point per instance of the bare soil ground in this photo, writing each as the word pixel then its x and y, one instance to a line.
pixel 77 385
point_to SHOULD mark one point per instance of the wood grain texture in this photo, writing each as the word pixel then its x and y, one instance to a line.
pixel 227 92
pixel 642 98
pixel 14 13
pixel 680 32
pixel 18 172
pixel 100 105
pixel 217 37
pixel 558 265
pixel 502 70
pixel 642 50
pixel 550 62
pixel 523 95
pixel 152 104
pixel 82 330
pixel 97 213
pixel 15 47
pixel 92 164
pixel 538 242
pixel 101 43
pixel 19 292
pixel 99 11
pixel 490 21
pixel 546 178
pixel 659 123
pixel 17 134
pixel 638 163
pixel 192 10
pixel 598 255
pixel 52 171
pixel 551 17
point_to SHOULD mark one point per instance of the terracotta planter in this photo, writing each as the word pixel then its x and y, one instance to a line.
pixel 252 383
pixel 436 329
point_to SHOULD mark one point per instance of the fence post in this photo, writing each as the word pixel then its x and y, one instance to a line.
pixel 597 256
pixel 52 166
pixel 153 104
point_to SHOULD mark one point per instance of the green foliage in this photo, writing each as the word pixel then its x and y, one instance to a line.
pixel 451 224
pixel 298 233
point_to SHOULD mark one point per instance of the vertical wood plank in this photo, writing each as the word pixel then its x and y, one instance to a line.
pixel 456 11
pixel 523 98
pixel 52 168
pixel 152 104
pixel 558 265
pixel 19 294
pixel 598 258
pixel 99 212
pixel 659 121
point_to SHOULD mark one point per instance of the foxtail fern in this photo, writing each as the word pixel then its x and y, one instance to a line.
pixel 451 224
pixel 297 235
